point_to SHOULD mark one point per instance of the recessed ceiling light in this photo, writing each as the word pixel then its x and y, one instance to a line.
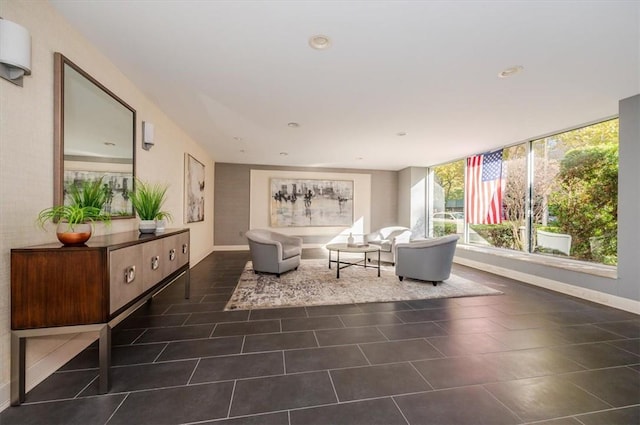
pixel 510 71
pixel 320 42
pixel 283 154
pixel 401 133
pixel 293 124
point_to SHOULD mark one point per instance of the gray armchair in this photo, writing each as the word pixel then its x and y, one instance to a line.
pixel 428 259
pixel 387 238
pixel 273 252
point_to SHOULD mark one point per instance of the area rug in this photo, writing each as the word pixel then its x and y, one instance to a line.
pixel 314 284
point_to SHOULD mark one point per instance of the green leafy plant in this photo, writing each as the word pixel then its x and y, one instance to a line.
pixel 87 201
pixel 147 199
pixel 585 203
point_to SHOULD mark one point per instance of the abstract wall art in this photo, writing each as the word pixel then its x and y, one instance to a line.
pixel 194 189
pixel 310 203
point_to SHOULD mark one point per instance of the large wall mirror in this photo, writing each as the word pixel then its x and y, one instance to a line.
pixel 94 138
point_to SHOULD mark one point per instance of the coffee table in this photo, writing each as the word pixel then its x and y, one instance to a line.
pixel 343 247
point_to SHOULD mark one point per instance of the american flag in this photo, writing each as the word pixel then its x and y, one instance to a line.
pixel 484 187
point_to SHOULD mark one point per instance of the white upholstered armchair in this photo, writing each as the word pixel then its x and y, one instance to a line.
pixel 429 259
pixel 273 252
pixel 387 238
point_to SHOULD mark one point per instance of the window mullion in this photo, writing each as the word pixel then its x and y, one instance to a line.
pixel 529 198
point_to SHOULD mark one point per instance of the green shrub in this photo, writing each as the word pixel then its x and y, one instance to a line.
pixel 498 235
pixel 448 229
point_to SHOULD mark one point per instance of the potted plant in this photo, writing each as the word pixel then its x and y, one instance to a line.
pixel 147 200
pixel 75 221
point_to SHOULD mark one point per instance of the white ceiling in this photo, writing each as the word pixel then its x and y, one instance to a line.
pixel 234 73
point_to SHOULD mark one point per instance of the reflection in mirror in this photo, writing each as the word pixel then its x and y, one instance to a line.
pixel 94 138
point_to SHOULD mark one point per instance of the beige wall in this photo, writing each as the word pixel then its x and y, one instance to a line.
pixel 26 166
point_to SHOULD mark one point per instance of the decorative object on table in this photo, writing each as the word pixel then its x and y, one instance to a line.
pixel 314 284
pixel 161 225
pixel 75 221
pixel 147 200
pixel 307 202
pixel 194 189
pixel 350 240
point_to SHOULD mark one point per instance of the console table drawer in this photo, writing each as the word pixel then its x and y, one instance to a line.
pixel 126 276
pixel 154 264
pixel 176 250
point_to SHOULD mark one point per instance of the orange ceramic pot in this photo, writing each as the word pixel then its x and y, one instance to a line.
pixel 78 235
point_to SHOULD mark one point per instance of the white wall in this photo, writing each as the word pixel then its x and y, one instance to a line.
pixel 26 166
pixel 404 196
pixel 412 198
pixel 629 200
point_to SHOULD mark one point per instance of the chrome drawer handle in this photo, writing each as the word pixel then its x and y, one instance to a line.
pixel 155 262
pixel 172 254
pixel 130 274
pixel 185 248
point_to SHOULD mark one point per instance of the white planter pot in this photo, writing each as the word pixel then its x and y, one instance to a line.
pixel 160 226
pixel 147 226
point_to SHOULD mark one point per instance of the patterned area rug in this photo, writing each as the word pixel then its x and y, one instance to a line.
pixel 314 284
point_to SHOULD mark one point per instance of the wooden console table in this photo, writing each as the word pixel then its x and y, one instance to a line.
pixel 61 290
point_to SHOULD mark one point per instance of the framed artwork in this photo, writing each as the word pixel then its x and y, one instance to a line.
pixel 193 190
pixel 310 203
pixel 117 185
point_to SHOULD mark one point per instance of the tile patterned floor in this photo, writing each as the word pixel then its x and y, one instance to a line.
pixel 528 356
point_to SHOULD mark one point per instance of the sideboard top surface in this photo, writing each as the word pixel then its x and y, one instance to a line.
pixel 110 241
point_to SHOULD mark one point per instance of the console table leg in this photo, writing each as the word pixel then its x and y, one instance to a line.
pixel 18 346
pixel 187 284
pixel 105 359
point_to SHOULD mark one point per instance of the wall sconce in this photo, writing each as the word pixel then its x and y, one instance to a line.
pixel 147 135
pixel 15 52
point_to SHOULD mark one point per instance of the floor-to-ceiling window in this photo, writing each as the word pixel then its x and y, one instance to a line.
pixel 447 211
pixel 555 196
pixel 575 194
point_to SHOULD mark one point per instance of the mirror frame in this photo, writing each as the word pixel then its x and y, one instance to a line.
pixel 58 127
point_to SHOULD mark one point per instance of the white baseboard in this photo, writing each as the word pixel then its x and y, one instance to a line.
pixel 564 288
pixel 246 247
pixel 43 368
pixel 231 247
pixel 4 396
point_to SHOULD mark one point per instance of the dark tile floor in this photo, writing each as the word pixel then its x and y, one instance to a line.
pixel 528 356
